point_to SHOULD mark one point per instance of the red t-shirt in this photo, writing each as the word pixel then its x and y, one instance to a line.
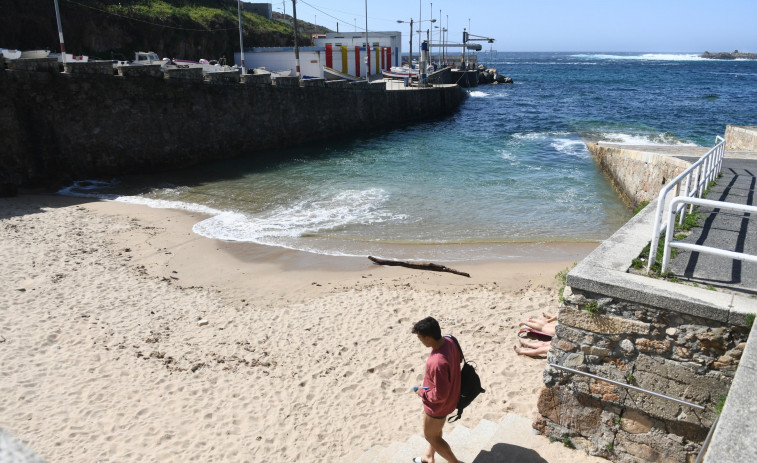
pixel 442 379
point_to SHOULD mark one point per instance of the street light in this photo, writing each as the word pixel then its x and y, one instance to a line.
pixel 412 21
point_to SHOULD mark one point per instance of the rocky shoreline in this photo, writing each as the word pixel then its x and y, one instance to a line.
pixel 728 55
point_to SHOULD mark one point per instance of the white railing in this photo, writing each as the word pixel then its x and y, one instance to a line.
pixel 696 247
pixel 702 172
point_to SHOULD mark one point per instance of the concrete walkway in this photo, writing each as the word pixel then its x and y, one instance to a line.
pixel 725 229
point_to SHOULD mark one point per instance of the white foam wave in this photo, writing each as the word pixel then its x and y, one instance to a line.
pixel 94 189
pixel 538 135
pixel 643 139
pixel 478 94
pixel 644 57
pixel 570 146
pixel 303 218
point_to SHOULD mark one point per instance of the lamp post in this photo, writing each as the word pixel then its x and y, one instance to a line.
pixel 410 58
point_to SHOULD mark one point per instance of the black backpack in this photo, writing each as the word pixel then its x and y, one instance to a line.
pixel 470 384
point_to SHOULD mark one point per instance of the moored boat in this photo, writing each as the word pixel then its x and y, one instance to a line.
pixel 333 74
pixel 34 54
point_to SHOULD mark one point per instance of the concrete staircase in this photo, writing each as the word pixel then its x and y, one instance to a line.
pixel 510 441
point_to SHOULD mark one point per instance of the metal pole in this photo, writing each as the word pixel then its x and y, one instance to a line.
pixel 411 44
pixel 241 46
pixel 431 25
pixel 296 47
pixel 367 46
pixel 60 34
pixel 627 386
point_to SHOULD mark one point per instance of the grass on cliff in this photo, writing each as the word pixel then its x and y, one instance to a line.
pixel 211 15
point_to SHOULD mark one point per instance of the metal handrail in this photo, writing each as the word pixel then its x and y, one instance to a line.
pixel 627 386
pixel 696 247
pixel 704 170
pixel 707 440
pixel 705 444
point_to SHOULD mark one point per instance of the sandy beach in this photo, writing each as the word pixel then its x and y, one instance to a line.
pixel 126 337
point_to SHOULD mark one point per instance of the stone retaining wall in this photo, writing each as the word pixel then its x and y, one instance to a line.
pixel 680 355
pixel 741 138
pixel 57 127
pixel 637 176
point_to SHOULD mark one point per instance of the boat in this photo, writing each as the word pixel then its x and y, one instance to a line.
pixel 70 58
pixel 333 74
pixel 34 54
pixel 10 54
pixel 400 73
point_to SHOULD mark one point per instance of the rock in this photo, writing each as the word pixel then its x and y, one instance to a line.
pixel 671 331
pixel 202 322
pixel 2 339
pixel 654 346
pixel 627 346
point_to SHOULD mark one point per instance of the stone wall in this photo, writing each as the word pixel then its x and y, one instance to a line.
pixel 741 138
pixel 680 355
pixel 636 175
pixel 57 127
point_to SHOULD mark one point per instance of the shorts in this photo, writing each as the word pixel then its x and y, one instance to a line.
pixel 436 417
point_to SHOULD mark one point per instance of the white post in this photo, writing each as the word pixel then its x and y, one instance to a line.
pixel 241 46
pixel 60 34
pixel 367 46
pixel 296 47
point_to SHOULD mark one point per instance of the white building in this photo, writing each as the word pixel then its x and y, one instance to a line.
pixel 344 52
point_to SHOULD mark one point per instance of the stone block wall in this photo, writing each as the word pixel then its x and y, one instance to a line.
pixel 184 74
pixel 741 138
pixel 228 77
pixel 676 354
pixel 146 70
pixel 59 127
pixel 636 175
pixel 90 67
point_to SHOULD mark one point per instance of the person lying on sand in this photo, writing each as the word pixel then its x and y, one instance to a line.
pixel 545 325
pixel 533 348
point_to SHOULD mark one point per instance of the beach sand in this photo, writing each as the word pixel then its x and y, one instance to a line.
pixel 126 337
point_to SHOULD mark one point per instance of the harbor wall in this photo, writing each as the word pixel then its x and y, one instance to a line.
pixel 682 341
pixel 741 138
pixel 636 175
pixel 56 127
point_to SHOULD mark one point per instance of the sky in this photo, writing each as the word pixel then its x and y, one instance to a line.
pixel 691 26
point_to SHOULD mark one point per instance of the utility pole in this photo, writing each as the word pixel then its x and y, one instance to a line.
pixel 241 46
pixel 60 34
pixel 296 47
pixel 367 46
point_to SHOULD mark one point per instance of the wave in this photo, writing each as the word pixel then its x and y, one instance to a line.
pixel 478 94
pixel 570 146
pixel 644 57
pixel 302 219
pixel 665 138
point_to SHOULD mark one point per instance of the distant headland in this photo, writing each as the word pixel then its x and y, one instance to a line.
pixel 726 55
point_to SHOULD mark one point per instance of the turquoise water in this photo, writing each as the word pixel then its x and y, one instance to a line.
pixel 510 167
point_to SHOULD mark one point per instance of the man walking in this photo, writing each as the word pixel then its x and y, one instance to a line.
pixel 440 389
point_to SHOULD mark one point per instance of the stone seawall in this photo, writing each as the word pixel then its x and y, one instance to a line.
pixel 679 340
pixel 741 138
pixel 56 127
pixel 637 175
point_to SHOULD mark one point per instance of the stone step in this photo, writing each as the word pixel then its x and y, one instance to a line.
pixel 512 440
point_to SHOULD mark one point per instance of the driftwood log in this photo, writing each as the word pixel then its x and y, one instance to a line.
pixel 420 266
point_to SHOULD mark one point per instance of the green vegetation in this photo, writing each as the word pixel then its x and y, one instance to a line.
pixel 617 420
pixel 711 288
pixel 561 278
pixel 750 320
pixel 692 220
pixel 630 379
pixel 567 442
pixel 640 206
pixel 720 404
pixel 609 446
pixel 592 308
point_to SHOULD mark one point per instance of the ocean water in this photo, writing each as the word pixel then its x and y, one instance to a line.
pixel 506 177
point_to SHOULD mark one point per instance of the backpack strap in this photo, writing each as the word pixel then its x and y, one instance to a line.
pixel 460 349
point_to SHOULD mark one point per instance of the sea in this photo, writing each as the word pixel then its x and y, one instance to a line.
pixel 507 177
